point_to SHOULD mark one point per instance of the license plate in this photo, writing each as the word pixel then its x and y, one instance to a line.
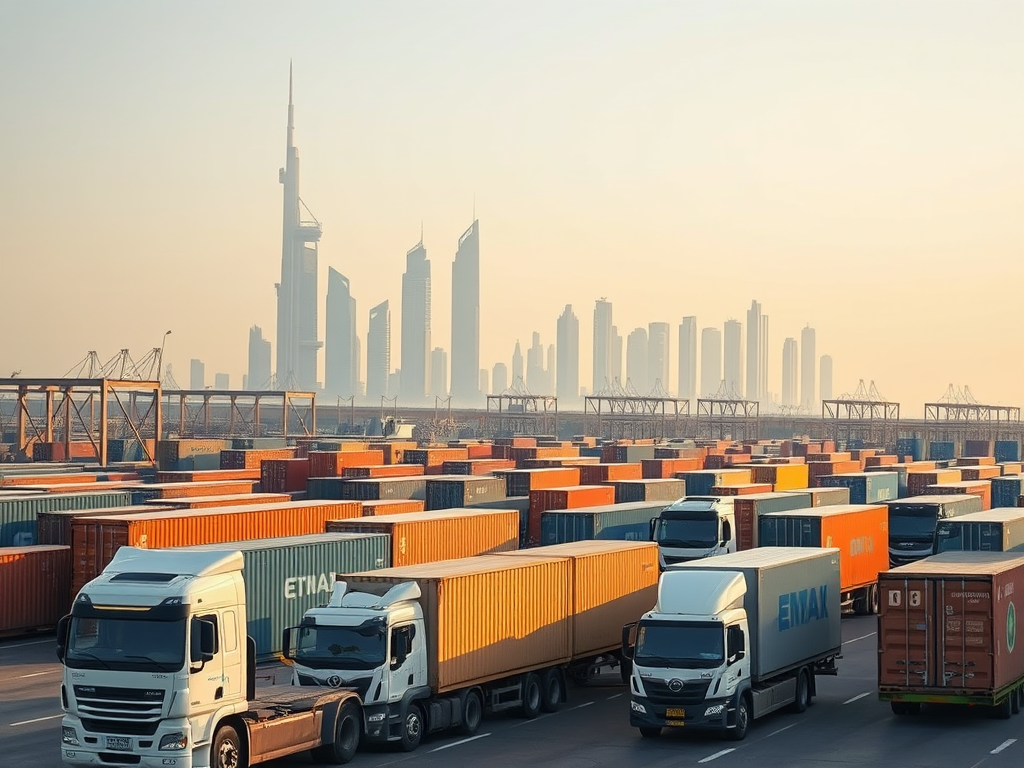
pixel 675 723
pixel 119 743
pixel 676 713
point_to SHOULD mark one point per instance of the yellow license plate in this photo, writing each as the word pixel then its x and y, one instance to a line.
pixel 675 723
pixel 678 713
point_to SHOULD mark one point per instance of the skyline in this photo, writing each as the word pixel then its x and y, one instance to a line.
pixel 835 159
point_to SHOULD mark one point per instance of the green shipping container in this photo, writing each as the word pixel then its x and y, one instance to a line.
pixel 619 522
pixel 18 513
pixel 285 577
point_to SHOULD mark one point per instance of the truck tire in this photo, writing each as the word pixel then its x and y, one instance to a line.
pixel 1004 709
pixel 860 602
pixel 739 733
pixel 905 707
pixel 650 732
pixel 552 689
pixel 532 696
pixel 873 599
pixel 803 693
pixel 227 751
pixel 412 728
pixel 347 731
pixel 472 713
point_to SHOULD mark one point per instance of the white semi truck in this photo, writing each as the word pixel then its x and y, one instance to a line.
pixel 693 528
pixel 733 638
pixel 158 671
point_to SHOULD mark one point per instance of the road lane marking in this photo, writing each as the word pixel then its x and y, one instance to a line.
pixel 529 722
pixel 463 741
pixel 776 733
pixel 857 698
pixel 36 720
pixel 23 645
pixel 717 755
pixel 862 637
pixel 1002 746
pixel 585 704
pixel 615 696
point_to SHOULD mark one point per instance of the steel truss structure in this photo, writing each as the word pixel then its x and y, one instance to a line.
pixel 721 419
pixel 516 413
pixel 636 417
pixel 241 413
pixel 958 416
pixel 865 416
pixel 74 410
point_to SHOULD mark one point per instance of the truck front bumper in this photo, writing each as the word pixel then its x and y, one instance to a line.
pixel 92 748
pixel 382 723
pixel 712 714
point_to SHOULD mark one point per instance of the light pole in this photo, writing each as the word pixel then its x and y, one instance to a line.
pixel 160 362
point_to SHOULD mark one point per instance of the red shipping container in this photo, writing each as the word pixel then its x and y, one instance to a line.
pixel 35 587
pixel 564 498
pixel 284 475
pixel 333 463
pixel 383 470
pixel 595 474
pixel 741 490
pixel 479 451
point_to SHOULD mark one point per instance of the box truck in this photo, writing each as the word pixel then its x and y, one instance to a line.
pixel 734 638
pixel 912 523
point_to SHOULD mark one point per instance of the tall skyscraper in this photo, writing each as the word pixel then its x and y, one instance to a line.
pixel 826 377
pixel 485 382
pixel 710 362
pixel 297 343
pixel 567 379
pixel 415 324
pixel 517 368
pixel 658 355
pixel 757 353
pixel 499 378
pixel 340 359
pixel 466 317
pixel 615 368
pixel 197 375
pixel 549 371
pixel 636 361
pixel 259 360
pixel 378 352
pixel 789 372
pixel 535 374
pixel 222 381
pixel 808 358
pixel 603 345
pixel 733 359
pixel 688 359
pixel 439 373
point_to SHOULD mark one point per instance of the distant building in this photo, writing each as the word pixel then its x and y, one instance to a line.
pixel 499 379
pixel 517 368
pixel 415 325
pixel 636 361
pixel 826 377
pixel 197 375
pixel 378 352
pixel 341 362
pixel 687 387
pixel 222 381
pixel 733 358
pixel 466 317
pixel 808 358
pixel 394 382
pixel 710 362
pixel 603 345
pixel 485 382
pixel 259 377
pixel 757 354
pixel 549 372
pixel 789 372
pixel 658 355
pixel 567 362
pixel 439 373
pixel 615 367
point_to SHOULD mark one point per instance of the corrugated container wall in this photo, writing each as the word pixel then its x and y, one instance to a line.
pixel 35 587
pixel 700 483
pixel 825 497
pixel 666 490
pixel 747 509
pixel 620 522
pixel 18 514
pixel 865 487
pixel 1006 490
pixel 450 492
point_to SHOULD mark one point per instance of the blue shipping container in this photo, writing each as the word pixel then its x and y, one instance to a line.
pixel 941 451
pixel 1007 450
pixel 866 487
pixel 701 481
pixel 618 522
pixel 1006 490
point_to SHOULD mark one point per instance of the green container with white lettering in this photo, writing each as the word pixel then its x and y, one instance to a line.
pixel 285 577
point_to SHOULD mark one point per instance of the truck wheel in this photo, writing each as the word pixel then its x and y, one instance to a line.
pixel 412 729
pixel 531 696
pixel 346 739
pixel 1004 709
pixel 739 733
pixel 472 713
pixel 860 603
pixel 227 749
pixel 803 693
pixel 873 599
pixel 552 689
pixel 649 732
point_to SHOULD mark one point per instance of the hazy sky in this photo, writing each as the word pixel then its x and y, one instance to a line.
pixel 858 165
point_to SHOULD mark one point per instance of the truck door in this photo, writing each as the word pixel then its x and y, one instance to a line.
pixel 906 633
pixel 964 636
pixel 406 661
pixel 206 683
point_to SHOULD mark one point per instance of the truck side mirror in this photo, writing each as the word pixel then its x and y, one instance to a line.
pixel 654 526
pixel 726 532
pixel 735 650
pixel 63 627
pixel 207 640
pixel 628 640
pixel 289 641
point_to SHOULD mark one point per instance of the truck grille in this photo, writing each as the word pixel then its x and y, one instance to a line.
pixel 134 711
pixel 691 692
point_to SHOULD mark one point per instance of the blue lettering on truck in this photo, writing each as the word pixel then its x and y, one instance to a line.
pixel 803 607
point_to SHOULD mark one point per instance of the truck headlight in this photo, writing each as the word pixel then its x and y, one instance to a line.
pixel 174 741
pixel 715 710
pixel 69 736
pixel 637 707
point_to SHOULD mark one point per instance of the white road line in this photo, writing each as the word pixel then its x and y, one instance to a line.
pixel 529 722
pixel 717 755
pixel 615 696
pixel 857 698
pixel 23 645
pixel 776 733
pixel 585 704
pixel 862 637
pixel 464 741
pixel 1002 746
pixel 37 720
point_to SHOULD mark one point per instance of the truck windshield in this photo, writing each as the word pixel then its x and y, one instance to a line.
pixel 696 533
pixel 323 647
pixel 912 525
pixel 680 645
pixel 141 645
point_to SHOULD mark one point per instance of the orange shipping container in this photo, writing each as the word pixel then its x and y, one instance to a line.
pixel 96 539
pixel 253 458
pixel 477 466
pixel 482 451
pixel 394 452
pixel 434 457
pixel 1011 468
pixel 185 490
pixel 918 481
pixel 521 482
pixel 444 534
pixel 76 478
pixel 979 472
pixel 783 477
pixel 35 585
pixel 206 502
pixel 884 460
pixel 660 469
pixel 391 507
pixel 740 490
pixel 976 461
pixel 333 463
pixel 818 469
pixel 54 528
pixel 383 470
pixel 207 475
pixel 982 488
pixel 575 497
pixel 830 457
pixel 594 474
pixel 75 487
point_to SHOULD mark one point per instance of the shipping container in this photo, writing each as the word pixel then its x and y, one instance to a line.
pixel 1007 450
pixel 595 474
pixel 980 488
pixel 941 450
pixel 187 455
pixel 865 487
pixel 18 513
pixel 574 497
pixel 981 472
pixel 664 490
pixel 882 460
pixel 619 522
pixel 740 490
pixel 54 528
pixel 1010 468
pixel 283 475
pixel 773 575
pixel 383 470
pixel 94 540
pixel 629 454
pixel 35 588
pixel 449 534
pixel 971 460
pixel 285 577
pixel 206 502
pixel 918 481
pixel 144 493
pixel 393 450
pixel 333 463
pixel 1006 490
pixel 458 491
pixel 859 531
pixel 912 523
pixel 947 631
pixel 993 530
pixel 700 483
pixel 667 468
pixel 747 510
pixel 976 448
pixel 782 477
pixel 207 475
pixel 521 482
pixel 368 489
pixel 391 507
pixel 825 497
pixel 254 458
pixel 820 469
pixel 434 457
pixel 613 583
pixel 835 457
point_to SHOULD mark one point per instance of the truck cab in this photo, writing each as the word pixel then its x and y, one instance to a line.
pixel 695 527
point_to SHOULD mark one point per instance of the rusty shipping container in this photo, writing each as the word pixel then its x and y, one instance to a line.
pixel 782 477
pixel 425 537
pixel 918 481
pixel 747 510
pixel 94 540
pixel 980 488
pixel 35 588
pixel 948 631
pixel 284 475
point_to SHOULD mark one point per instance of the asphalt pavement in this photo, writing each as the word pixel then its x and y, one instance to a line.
pixel 846 726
